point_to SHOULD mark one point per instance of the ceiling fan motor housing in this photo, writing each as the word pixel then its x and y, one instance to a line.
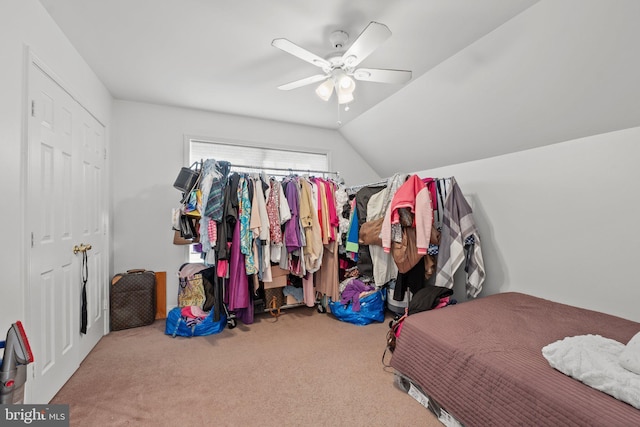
pixel 338 39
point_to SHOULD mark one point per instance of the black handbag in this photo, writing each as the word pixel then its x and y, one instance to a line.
pixel 188 177
pixel 188 227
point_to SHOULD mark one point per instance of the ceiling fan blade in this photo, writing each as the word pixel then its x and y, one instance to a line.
pixel 304 54
pixel 369 39
pixel 303 82
pixel 382 76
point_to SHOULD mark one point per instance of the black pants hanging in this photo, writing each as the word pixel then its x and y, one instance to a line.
pixel 85 276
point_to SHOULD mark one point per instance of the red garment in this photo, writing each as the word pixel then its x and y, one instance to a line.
pixel 431 186
pixel 333 215
pixel 318 183
pixel 414 195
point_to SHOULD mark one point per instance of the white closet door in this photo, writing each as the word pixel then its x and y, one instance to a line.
pixel 65 207
pixel 91 226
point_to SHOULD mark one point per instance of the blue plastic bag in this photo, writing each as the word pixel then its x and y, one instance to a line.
pixel 371 309
pixel 176 325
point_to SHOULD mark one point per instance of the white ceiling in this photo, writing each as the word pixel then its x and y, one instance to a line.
pixel 489 76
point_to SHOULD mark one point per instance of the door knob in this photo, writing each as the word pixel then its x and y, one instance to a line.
pixel 81 248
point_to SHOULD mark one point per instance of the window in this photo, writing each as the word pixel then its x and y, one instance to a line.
pixel 246 155
pixel 239 154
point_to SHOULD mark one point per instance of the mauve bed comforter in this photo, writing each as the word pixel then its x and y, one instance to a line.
pixel 482 361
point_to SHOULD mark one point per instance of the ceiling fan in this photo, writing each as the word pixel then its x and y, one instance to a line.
pixel 339 69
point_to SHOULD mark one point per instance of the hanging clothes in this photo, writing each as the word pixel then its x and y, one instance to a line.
pixel 442 190
pixel 292 227
pixel 414 196
pixel 433 192
pixel 208 174
pixel 308 289
pixel 229 217
pixel 384 268
pixel 313 248
pixel 342 210
pixel 327 277
pixel 323 211
pixel 459 236
pixel 248 222
pixel 244 216
pixel 279 213
pixel 261 226
pixel 365 264
pixel 329 187
pixel 218 172
pixel 414 280
pixel 352 243
pixel 238 297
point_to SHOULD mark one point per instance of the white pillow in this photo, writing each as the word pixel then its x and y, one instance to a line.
pixel 630 355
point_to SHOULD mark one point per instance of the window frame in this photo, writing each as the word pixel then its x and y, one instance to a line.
pixel 239 143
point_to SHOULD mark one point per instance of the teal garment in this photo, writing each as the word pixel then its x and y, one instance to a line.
pixel 352 237
pixel 246 235
pixel 219 171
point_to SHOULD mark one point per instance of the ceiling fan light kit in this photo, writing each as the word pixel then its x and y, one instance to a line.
pixel 340 68
pixel 325 89
pixel 344 98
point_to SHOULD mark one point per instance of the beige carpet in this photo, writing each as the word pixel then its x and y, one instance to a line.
pixel 305 369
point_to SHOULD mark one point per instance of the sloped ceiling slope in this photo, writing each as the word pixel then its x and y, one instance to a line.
pixel 217 55
pixel 489 76
pixel 558 71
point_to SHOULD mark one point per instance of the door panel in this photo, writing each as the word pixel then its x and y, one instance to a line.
pixel 93 230
pixel 52 286
pixel 65 207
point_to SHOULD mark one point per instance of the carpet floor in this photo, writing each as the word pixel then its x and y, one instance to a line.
pixel 302 369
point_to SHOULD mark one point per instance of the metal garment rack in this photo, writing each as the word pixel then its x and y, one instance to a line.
pixel 383 182
pixel 290 170
pixel 268 308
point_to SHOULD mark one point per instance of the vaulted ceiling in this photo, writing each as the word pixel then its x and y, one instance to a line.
pixel 488 76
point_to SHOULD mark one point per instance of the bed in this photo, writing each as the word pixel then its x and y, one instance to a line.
pixel 481 363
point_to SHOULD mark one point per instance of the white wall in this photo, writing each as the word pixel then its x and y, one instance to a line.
pixel 147 154
pixel 559 222
pixel 26 23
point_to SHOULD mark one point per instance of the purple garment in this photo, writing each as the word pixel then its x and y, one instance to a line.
pixel 245 315
pixel 352 293
pixel 292 227
pixel 238 289
pixel 238 296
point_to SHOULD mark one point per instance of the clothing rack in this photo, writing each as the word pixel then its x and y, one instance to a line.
pixel 355 188
pixel 290 170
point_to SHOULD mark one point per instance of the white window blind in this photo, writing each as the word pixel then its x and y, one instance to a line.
pixel 297 161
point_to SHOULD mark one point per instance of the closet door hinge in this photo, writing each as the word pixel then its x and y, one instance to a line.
pixel 33 108
pixel 105 154
pixel 32 240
